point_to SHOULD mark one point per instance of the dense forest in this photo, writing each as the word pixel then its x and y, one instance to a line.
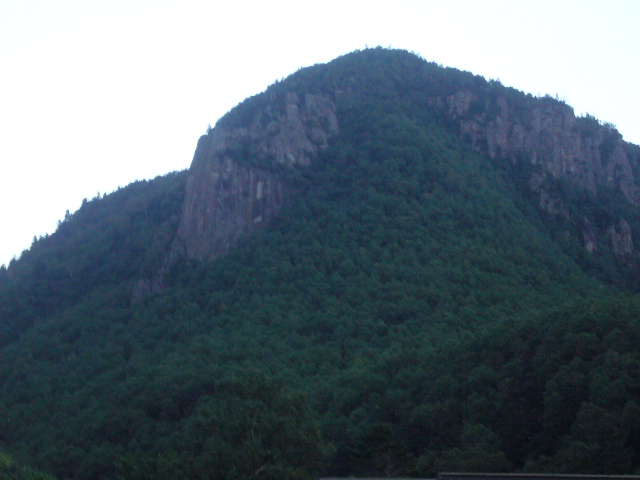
pixel 412 310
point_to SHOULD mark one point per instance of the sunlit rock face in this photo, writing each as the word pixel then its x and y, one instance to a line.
pixel 233 188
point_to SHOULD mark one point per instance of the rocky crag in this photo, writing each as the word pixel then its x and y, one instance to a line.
pixel 227 194
pixel 545 133
pixel 233 188
pixel 549 135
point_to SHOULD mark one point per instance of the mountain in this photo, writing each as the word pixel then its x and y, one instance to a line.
pixel 376 267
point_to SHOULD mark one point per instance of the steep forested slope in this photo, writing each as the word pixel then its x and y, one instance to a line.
pixel 12 470
pixel 413 308
pixel 117 239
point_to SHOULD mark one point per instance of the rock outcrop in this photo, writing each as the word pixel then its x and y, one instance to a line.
pixel 233 188
pixel 590 235
pixel 545 133
pixel 620 238
pixel 549 135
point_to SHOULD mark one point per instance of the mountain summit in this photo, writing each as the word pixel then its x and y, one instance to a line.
pixel 376 267
pixel 236 183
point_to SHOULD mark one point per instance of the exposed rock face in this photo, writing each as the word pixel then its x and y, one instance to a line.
pixel 228 196
pixel 550 137
pixel 620 238
pixel 232 188
pixel 296 136
pixel 589 233
pixel 553 206
pixel 224 200
pixel 546 133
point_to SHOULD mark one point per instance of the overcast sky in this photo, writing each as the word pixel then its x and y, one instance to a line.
pixel 95 94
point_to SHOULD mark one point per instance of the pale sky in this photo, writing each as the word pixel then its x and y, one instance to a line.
pixel 95 94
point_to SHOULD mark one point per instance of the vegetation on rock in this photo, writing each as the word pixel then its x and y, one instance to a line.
pixel 414 309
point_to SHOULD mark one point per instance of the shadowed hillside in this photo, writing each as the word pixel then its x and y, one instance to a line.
pixel 377 267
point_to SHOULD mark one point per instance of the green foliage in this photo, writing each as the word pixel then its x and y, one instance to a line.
pixel 410 311
pixel 12 470
pixel 118 238
pixel 246 426
pixel 250 428
pixel 480 451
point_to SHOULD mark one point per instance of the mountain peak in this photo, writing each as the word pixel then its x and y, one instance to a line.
pixel 377 267
pixel 237 182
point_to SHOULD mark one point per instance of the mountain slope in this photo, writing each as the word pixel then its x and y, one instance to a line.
pixel 396 309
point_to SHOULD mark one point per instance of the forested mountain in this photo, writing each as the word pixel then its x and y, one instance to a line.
pixel 376 267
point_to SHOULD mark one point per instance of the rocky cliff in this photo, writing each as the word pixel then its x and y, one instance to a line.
pixel 545 133
pixel 233 187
